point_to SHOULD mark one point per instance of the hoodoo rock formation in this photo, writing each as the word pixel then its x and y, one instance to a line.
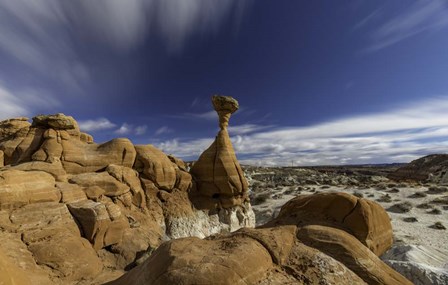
pixel 218 174
pixel 78 209
pixel 76 212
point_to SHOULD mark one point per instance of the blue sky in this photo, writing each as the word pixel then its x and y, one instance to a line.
pixel 319 82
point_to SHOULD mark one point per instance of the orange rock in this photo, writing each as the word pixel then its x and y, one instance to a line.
pixel 217 172
pixel 366 220
pixel 348 250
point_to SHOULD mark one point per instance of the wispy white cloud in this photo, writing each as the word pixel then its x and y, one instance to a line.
pixel 396 135
pixel 163 130
pixel 42 38
pixel 141 130
pixel 209 116
pixel 128 129
pixel 422 16
pixel 40 33
pixel 16 103
pixel 369 18
pixel 96 125
pixel 125 129
pixel 246 129
pixel 11 106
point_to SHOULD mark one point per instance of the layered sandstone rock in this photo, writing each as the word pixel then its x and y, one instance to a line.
pixel 156 166
pixel 364 219
pixel 102 224
pixel 19 188
pixel 217 172
pixel 76 212
pixel 11 274
pixel 294 253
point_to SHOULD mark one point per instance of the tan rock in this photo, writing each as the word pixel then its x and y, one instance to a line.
pixel 102 224
pixel 84 137
pixel 53 237
pixel 26 146
pixel 12 133
pixel 248 256
pixel 156 166
pixel 12 127
pixel 217 172
pixel 94 193
pixel 79 157
pixel 17 252
pixel 232 260
pixel 40 220
pixel 364 219
pixel 11 274
pixel 130 178
pixel 179 162
pixel 57 121
pixel 183 180
pixel 311 266
pixel 18 188
pixel 2 159
pixel 71 193
pixel 55 168
pixel 70 257
pixel 347 249
pixel 112 187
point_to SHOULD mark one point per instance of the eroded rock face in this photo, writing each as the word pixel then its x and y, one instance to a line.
pixel 19 188
pixel 11 274
pixel 76 212
pixel 156 166
pixel 218 174
pixel 292 253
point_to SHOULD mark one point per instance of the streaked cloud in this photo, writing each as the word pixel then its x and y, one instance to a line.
pixel 163 130
pixel 209 116
pixel 45 39
pixel 246 129
pixel 399 134
pixel 96 125
pixel 141 130
pixel 422 16
pixel 128 129
pixel 11 106
pixel 22 102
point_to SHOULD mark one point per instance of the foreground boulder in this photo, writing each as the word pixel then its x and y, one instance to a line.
pixel 291 250
pixel 362 218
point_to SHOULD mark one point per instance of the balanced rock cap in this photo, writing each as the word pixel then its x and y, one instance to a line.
pixel 57 121
pixel 225 104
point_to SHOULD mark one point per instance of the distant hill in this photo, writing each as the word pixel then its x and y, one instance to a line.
pixel 432 168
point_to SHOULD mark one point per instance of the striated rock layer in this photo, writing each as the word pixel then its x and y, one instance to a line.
pixel 79 210
pixel 290 250
pixel 218 174
pixel 76 212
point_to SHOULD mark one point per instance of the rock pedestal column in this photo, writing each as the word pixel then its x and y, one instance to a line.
pixel 218 174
